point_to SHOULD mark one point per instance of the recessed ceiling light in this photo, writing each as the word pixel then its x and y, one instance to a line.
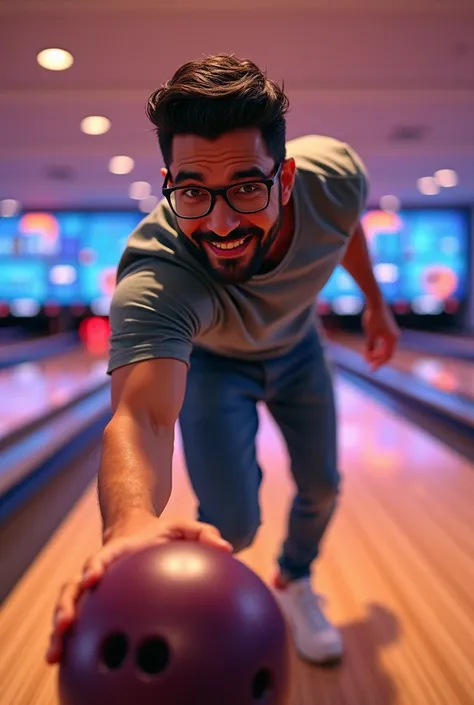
pixel 389 203
pixel 139 190
pixel 121 165
pixel 95 125
pixel 55 59
pixel 447 178
pixel 9 207
pixel 427 186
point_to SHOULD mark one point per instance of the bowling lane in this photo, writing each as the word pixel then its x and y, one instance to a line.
pixel 33 388
pixel 446 374
pixel 456 344
pixel 10 338
pixel 397 567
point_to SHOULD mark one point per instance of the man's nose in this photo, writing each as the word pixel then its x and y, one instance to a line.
pixel 222 219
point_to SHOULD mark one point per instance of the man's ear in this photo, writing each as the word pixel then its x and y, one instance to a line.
pixel 163 172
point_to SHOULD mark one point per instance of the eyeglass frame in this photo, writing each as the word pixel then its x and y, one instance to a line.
pixel 214 192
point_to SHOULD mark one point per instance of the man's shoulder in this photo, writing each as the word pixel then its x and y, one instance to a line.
pixel 314 142
pixel 326 156
pixel 333 177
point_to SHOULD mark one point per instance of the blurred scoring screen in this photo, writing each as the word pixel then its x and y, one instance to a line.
pixel 420 259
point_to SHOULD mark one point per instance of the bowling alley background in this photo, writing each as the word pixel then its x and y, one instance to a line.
pixel 80 164
pixel 80 168
pixel 53 261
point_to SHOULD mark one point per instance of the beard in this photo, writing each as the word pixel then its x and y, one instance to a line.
pixel 242 267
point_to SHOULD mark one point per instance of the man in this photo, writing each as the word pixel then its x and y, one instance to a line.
pixel 214 312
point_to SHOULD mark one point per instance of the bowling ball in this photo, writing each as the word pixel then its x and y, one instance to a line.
pixel 180 623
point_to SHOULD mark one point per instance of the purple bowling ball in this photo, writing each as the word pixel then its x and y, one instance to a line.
pixel 181 623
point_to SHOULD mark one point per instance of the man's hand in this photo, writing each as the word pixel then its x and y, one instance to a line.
pixel 381 332
pixel 132 536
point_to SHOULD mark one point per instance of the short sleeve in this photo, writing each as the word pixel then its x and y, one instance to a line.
pixel 336 178
pixel 157 310
pixel 353 187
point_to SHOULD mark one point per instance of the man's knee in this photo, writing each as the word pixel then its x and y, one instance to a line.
pixel 240 531
pixel 322 491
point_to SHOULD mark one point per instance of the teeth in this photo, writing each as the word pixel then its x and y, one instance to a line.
pixel 228 245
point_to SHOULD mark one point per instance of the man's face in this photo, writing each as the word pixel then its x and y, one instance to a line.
pixel 231 245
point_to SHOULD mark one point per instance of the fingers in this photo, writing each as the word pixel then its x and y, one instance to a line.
pixel 93 570
pixel 199 531
pixel 371 342
pixel 65 612
pixel 63 617
pixel 210 535
pixel 380 352
pixel 96 565
pixel 66 607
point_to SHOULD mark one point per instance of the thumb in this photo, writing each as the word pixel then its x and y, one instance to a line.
pixel 210 535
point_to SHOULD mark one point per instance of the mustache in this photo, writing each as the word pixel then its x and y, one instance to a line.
pixel 238 234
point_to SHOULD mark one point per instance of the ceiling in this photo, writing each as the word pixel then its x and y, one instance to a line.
pixel 394 78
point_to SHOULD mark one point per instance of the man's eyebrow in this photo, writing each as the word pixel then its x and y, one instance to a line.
pixel 187 176
pixel 253 171
pixel 250 173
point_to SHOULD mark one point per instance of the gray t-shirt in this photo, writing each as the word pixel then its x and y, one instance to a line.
pixel 165 302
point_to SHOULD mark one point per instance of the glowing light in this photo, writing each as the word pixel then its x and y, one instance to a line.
pixel 94 333
pixel 95 125
pixel 146 205
pixel 63 274
pixel 184 566
pixel 24 308
pixel 348 305
pixel 9 207
pixel 427 304
pixel 381 222
pixel 386 273
pixel 55 59
pixel 446 178
pixel 139 190
pixel 43 225
pixel 87 256
pixel 427 186
pixel 435 373
pixel 439 281
pixel 390 203
pixel 108 280
pixel 27 372
pixel 121 165
pixel 101 307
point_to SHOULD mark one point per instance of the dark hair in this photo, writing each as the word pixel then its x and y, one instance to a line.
pixel 216 95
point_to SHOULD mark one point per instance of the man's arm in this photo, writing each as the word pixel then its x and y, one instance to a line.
pixel 380 328
pixel 357 262
pixel 134 480
pixel 135 470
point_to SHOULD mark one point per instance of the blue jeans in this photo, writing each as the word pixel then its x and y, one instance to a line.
pixel 219 424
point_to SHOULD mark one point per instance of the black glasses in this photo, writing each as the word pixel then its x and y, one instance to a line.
pixel 198 201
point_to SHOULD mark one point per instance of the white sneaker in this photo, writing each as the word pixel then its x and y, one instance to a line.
pixel 316 639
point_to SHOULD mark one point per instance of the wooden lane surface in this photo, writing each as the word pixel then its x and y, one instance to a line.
pixel 33 389
pixel 397 568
